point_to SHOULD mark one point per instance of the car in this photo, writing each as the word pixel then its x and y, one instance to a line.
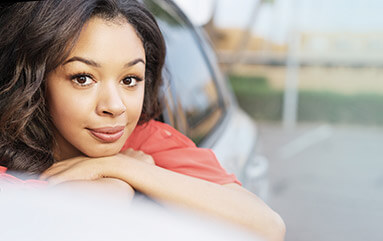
pixel 62 215
pixel 199 101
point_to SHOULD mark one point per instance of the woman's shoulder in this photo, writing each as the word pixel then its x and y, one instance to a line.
pixel 174 151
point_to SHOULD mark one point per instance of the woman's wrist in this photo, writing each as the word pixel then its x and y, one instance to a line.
pixel 119 166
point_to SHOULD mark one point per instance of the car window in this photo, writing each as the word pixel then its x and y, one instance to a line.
pixel 196 94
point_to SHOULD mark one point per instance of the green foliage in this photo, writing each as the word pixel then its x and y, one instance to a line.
pixel 257 98
pixel 264 103
pixel 249 84
pixel 337 108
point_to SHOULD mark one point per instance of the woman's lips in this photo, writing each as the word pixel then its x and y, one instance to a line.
pixel 108 134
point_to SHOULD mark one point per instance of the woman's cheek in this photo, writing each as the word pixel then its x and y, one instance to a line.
pixel 69 106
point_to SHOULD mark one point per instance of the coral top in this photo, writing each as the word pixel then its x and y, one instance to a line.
pixel 9 179
pixel 170 149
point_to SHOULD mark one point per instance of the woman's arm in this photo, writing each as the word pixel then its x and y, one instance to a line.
pixel 230 201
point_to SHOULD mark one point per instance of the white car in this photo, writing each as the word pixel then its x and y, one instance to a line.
pixel 200 102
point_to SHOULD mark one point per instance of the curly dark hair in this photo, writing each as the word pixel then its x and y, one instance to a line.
pixel 35 38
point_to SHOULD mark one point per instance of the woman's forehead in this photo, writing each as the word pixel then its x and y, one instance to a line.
pixel 108 40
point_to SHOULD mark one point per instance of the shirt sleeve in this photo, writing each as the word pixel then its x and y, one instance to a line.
pixel 174 151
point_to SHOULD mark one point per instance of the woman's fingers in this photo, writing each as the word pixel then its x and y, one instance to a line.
pixel 61 166
pixel 86 168
pixel 78 171
pixel 139 155
pixel 53 170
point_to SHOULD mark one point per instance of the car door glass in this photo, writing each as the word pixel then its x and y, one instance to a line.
pixel 196 93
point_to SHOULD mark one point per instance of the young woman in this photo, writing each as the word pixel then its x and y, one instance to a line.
pixel 78 99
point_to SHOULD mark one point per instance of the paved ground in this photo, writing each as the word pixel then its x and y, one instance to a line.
pixel 326 181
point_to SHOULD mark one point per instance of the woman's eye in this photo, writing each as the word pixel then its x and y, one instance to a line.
pixel 82 80
pixel 130 81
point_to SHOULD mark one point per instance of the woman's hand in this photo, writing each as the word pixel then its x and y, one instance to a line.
pixel 87 168
pixel 73 169
pixel 95 174
pixel 138 155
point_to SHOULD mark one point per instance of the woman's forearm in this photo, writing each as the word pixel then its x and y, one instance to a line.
pixel 231 201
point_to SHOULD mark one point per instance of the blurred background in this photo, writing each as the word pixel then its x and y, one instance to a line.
pixel 310 73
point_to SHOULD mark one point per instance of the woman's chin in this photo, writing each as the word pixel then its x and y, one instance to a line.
pixel 102 153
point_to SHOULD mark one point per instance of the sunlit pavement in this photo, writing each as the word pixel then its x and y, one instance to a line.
pixel 326 181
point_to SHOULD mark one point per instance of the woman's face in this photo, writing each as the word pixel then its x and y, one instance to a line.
pixel 95 97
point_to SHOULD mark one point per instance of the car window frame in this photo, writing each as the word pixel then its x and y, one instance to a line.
pixel 170 114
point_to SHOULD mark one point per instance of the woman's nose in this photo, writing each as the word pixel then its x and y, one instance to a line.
pixel 110 101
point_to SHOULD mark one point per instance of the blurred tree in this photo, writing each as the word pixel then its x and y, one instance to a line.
pixel 244 41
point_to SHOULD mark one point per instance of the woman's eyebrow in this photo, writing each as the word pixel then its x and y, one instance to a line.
pixel 134 62
pixel 85 61
pixel 95 64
